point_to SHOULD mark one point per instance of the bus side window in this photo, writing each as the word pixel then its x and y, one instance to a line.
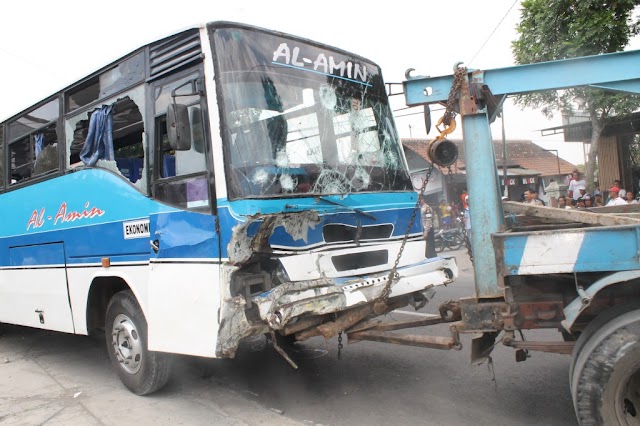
pixel 46 151
pixel 21 160
pixel 179 162
pixel 128 129
pixel 181 178
pixel 1 158
pixel 34 155
pixel 126 132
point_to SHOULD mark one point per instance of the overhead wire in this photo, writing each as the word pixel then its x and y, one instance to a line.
pixel 493 32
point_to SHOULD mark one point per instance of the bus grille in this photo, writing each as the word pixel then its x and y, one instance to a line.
pixel 334 233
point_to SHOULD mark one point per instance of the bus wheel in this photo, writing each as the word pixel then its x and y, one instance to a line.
pixel 139 369
pixel 606 376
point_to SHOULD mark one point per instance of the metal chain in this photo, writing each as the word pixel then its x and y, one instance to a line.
pixel 449 114
pixel 393 272
pixel 340 346
pixel 450 110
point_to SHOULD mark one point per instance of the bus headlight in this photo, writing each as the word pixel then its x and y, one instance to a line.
pixel 280 275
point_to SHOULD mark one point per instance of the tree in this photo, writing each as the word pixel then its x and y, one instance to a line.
pixel 561 29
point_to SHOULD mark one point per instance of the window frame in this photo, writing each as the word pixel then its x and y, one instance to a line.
pixel 57 122
pixel 155 142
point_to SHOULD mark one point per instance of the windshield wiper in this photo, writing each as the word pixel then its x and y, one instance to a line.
pixel 363 213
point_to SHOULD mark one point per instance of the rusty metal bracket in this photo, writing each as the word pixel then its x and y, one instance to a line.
pixel 541 346
pixel 281 351
pixel 381 333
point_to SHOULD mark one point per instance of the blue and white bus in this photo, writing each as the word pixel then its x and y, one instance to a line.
pixel 224 182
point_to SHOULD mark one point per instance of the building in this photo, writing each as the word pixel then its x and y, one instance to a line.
pixel 527 165
pixel 618 156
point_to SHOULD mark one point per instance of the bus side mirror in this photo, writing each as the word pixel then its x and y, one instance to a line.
pixel 178 127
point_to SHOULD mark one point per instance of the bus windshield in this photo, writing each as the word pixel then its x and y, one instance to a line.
pixel 301 119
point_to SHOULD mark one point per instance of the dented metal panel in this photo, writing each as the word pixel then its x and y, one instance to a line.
pixel 268 285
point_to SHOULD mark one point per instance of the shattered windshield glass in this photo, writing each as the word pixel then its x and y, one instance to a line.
pixel 300 119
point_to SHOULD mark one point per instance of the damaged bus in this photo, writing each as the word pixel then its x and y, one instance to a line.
pixel 221 183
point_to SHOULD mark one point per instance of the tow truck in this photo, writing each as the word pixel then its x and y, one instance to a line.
pixel 576 271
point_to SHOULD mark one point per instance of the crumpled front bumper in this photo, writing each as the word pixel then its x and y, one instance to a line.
pixel 279 306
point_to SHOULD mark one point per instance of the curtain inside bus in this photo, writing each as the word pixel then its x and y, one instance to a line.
pixel 99 143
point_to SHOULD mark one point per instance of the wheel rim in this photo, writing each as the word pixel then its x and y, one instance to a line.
pixel 627 403
pixel 127 344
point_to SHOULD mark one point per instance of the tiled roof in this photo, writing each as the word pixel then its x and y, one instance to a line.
pixel 520 153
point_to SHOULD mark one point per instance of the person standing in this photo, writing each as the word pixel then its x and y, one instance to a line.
pixel 553 192
pixel 463 198
pixel 531 197
pixel 445 214
pixel 616 184
pixel 467 219
pixel 575 184
pixel 427 226
pixel 598 201
pixel 562 202
pixel 615 200
pixel 630 199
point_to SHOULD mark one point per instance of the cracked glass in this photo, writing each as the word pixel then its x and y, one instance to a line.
pixel 303 119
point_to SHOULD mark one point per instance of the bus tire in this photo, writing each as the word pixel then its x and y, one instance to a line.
pixel 606 374
pixel 140 370
pixel 594 325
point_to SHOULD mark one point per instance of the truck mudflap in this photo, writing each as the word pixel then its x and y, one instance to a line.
pixel 282 304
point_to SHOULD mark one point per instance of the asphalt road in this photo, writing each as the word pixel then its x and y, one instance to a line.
pixel 50 378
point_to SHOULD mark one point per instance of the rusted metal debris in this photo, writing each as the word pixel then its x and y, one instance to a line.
pixel 450 310
pixel 347 319
pixel 433 342
pixel 399 325
pixel 305 323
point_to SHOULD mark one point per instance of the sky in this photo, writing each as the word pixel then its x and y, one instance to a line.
pixel 46 45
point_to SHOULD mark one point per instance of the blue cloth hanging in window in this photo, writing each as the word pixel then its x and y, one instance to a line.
pixel 99 143
pixel 39 139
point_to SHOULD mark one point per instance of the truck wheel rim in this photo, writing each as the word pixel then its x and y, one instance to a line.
pixel 628 398
pixel 127 344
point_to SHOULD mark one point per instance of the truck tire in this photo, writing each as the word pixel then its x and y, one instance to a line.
pixel 139 369
pixel 606 374
pixel 595 325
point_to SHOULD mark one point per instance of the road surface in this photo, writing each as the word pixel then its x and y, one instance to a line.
pixel 49 378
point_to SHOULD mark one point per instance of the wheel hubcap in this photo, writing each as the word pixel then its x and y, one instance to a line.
pixel 628 399
pixel 127 344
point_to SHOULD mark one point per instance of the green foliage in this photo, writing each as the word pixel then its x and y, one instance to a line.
pixel 561 29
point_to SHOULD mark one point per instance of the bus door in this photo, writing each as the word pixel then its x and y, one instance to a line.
pixel 34 291
pixel 185 245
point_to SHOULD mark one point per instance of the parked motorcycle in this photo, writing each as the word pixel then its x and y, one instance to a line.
pixel 449 238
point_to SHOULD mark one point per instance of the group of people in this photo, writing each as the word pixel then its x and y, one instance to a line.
pixel 577 196
pixel 445 217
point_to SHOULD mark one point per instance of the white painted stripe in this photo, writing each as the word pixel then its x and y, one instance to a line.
pixel 551 253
